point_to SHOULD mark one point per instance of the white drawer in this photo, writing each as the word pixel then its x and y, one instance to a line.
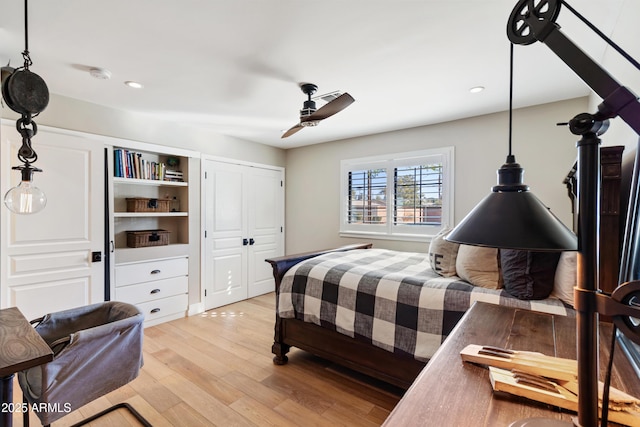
pixel 150 291
pixel 129 274
pixel 164 307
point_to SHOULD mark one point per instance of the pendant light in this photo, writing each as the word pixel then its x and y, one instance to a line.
pixel 511 217
pixel 25 93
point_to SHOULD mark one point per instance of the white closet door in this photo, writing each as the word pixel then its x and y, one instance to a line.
pixel 225 223
pixel 265 227
pixel 244 220
pixel 47 257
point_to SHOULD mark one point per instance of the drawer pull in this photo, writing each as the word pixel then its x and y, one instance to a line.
pixel 155 272
pixel 155 291
pixel 155 310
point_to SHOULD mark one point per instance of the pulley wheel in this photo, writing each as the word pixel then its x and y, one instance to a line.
pixel 25 92
pixel 628 294
pixel 518 29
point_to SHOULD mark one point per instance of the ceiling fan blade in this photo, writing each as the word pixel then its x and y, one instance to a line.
pixel 331 108
pixel 291 131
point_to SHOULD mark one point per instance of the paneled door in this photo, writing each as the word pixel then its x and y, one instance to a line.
pixel 225 263
pixel 47 258
pixel 265 227
pixel 244 225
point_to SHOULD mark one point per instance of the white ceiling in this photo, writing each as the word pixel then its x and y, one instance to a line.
pixel 235 65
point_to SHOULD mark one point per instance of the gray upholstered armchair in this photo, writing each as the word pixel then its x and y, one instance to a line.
pixel 97 349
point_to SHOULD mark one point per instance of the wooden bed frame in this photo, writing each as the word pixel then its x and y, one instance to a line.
pixel 402 370
pixel 334 346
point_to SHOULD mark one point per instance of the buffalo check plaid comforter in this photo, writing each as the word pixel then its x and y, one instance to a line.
pixel 390 299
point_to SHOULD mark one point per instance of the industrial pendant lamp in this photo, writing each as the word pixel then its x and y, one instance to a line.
pixel 25 93
pixel 511 217
pixel 529 22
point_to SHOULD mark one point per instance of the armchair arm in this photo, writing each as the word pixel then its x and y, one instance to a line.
pixel 60 344
pixel 55 326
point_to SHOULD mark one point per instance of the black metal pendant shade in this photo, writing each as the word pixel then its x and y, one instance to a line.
pixel 511 217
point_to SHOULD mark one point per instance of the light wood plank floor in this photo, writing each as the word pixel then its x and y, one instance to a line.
pixel 215 369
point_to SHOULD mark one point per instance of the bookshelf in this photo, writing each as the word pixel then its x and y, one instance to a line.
pixel 144 175
pixel 155 179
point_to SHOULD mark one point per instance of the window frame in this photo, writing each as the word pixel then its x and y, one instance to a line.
pixel 390 162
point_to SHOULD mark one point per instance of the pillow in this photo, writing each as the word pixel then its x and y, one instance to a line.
pixel 565 278
pixel 478 266
pixel 528 275
pixel 443 254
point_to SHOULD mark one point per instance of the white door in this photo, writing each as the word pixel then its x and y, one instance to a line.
pixel 225 223
pixel 46 258
pixel 244 220
pixel 265 227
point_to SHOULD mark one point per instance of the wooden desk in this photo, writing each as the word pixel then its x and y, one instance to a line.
pixel 21 347
pixel 449 392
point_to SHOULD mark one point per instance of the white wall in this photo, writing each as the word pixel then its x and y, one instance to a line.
pixel 545 150
pixel 72 114
pixel 626 36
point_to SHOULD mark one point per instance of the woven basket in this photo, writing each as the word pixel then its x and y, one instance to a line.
pixel 145 238
pixel 139 204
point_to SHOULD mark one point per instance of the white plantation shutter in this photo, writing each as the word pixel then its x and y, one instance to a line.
pixel 399 196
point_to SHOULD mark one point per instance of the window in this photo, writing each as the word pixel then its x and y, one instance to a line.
pixel 403 196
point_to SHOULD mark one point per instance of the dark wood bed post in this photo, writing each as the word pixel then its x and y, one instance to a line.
pixel 280 266
pixel 279 348
pixel 611 222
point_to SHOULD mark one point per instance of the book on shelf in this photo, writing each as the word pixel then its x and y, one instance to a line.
pixel 130 164
pixel 170 175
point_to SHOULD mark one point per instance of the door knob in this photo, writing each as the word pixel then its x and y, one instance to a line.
pixel 245 242
pixel 251 241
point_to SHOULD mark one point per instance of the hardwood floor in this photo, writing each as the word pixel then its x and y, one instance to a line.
pixel 215 369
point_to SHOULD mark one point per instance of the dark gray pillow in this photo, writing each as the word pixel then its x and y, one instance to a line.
pixel 528 275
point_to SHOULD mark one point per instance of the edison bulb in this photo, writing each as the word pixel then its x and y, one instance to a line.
pixel 25 198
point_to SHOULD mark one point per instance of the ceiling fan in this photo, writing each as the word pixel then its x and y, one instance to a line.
pixel 310 116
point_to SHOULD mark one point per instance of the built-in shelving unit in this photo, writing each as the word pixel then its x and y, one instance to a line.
pixel 155 278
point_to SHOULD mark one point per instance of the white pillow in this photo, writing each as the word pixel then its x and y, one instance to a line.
pixel 565 279
pixel 479 266
pixel 443 254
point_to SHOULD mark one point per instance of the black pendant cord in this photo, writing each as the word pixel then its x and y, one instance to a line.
pixel 26 154
pixel 25 54
pixel 510 97
pixel 607 380
pixel 602 35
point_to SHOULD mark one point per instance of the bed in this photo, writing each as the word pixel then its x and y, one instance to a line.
pixel 392 310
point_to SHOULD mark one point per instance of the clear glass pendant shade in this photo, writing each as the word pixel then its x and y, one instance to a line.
pixel 25 198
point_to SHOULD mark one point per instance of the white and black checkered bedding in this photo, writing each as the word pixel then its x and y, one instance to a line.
pixel 390 299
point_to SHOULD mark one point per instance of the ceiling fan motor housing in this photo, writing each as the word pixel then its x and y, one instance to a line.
pixel 308 108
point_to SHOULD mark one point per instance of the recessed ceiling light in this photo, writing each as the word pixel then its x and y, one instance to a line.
pixel 100 73
pixel 476 89
pixel 133 84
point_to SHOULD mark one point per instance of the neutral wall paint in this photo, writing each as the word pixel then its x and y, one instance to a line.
pixel 72 114
pixel 545 150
